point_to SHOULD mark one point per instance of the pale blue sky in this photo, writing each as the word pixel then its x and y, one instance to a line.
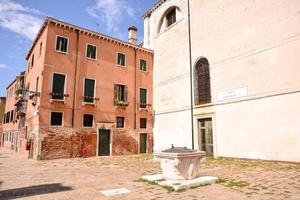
pixel 21 19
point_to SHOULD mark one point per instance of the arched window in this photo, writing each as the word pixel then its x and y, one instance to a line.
pixel 170 17
pixel 202 82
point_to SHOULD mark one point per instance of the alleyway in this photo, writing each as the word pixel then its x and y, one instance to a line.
pixel 21 178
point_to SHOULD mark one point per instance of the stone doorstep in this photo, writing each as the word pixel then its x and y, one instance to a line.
pixel 181 184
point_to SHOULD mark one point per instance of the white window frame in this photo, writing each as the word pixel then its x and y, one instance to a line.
pixel 56 43
pixel 147 100
pixel 140 65
pixel 62 120
pixel 125 59
pixel 95 90
pixel 124 122
pixel 86 47
pixel 92 122
pixel 65 88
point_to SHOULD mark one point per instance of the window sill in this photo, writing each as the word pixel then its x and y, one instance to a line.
pixel 89 103
pixel 92 59
pixel 124 66
pixel 58 100
pixel 61 52
pixel 144 109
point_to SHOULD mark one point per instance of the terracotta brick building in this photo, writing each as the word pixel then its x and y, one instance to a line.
pixel 2 109
pixel 85 90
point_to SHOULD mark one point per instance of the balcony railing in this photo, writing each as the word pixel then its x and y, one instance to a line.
pixel 121 103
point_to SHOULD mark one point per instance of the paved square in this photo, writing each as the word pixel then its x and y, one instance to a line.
pixel 84 178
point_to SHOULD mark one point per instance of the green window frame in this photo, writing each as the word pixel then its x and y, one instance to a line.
pixel 91 51
pixel 121 59
pixel 62 44
pixel 58 86
pixel 143 98
pixel 89 90
pixel 143 65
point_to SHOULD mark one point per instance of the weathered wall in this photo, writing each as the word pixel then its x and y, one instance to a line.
pixel 66 143
pixel 252 45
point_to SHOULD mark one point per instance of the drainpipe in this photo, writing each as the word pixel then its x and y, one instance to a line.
pixel 191 71
pixel 135 92
pixel 75 80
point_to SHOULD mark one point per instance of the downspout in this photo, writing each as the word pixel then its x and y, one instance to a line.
pixel 135 92
pixel 75 80
pixel 191 72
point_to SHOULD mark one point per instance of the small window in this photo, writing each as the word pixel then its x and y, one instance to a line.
pixel 120 122
pixel 120 92
pixel 91 51
pixel 171 17
pixel 4 118
pixel 143 122
pixel 56 118
pixel 61 44
pixel 89 90
pixel 7 117
pixel 143 98
pixel 32 60
pixel 143 65
pixel 58 86
pixel 41 48
pixel 88 120
pixel 121 59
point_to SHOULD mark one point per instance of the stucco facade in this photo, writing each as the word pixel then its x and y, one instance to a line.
pixel 68 138
pixel 252 49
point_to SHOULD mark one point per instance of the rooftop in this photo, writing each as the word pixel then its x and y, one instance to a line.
pixel 63 24
pixel 157 5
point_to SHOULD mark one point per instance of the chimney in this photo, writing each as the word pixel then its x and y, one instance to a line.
pixel 132 34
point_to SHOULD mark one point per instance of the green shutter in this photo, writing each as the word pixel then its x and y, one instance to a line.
pixel 143 98
pixel 89 89
pixel 58 86
pixel 121 59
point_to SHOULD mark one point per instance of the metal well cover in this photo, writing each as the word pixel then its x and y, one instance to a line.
pixel 178 150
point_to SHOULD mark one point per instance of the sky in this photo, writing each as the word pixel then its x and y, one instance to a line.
pixel 20 21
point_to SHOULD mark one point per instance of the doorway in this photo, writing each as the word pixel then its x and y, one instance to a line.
pixel 104 142
pixel 143 142
pixel 205 136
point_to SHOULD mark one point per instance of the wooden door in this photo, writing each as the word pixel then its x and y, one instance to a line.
pixel 205 136
pixel 143 143
pixel 104 142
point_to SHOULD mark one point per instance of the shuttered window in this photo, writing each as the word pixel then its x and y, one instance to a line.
pixel 143 65
pixel 32 60
pixel 7 117
pixel 56 118
pixel 202 82
pixel 121 60
pixel 11 116
pixel 91 51
pixel 89 90
pixel 4 118
pixel 61 44
pixel 143 98
pixel 88 120
pixel 121 92
pixel 58 86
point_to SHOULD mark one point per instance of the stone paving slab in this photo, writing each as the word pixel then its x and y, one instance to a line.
pixel 83 179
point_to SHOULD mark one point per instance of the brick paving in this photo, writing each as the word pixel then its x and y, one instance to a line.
pixel 79 178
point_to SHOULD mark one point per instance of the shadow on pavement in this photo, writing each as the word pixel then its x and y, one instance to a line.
pixel 33 190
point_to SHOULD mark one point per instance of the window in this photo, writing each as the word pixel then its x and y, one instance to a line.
pixel 143 65
pixel 41 47
pixel 7 117
pixel 171 17
pixel 11 116
pixel 88 120
pixel 58 86
pixel 61 44
pixel 89 91
pixel 143 122
pixel 121 92
pixel 32 60
pixel 143 98
pixel 121 59
pixel 202 82
pixel 4 118
pixel 56 118
pixel 120 122
pixel 91 51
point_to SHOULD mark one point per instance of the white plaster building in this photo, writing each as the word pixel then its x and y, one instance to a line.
pixel 246 76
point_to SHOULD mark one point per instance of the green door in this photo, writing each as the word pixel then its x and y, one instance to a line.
pixel 205 136
pixel 143 143
pixel 104 143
